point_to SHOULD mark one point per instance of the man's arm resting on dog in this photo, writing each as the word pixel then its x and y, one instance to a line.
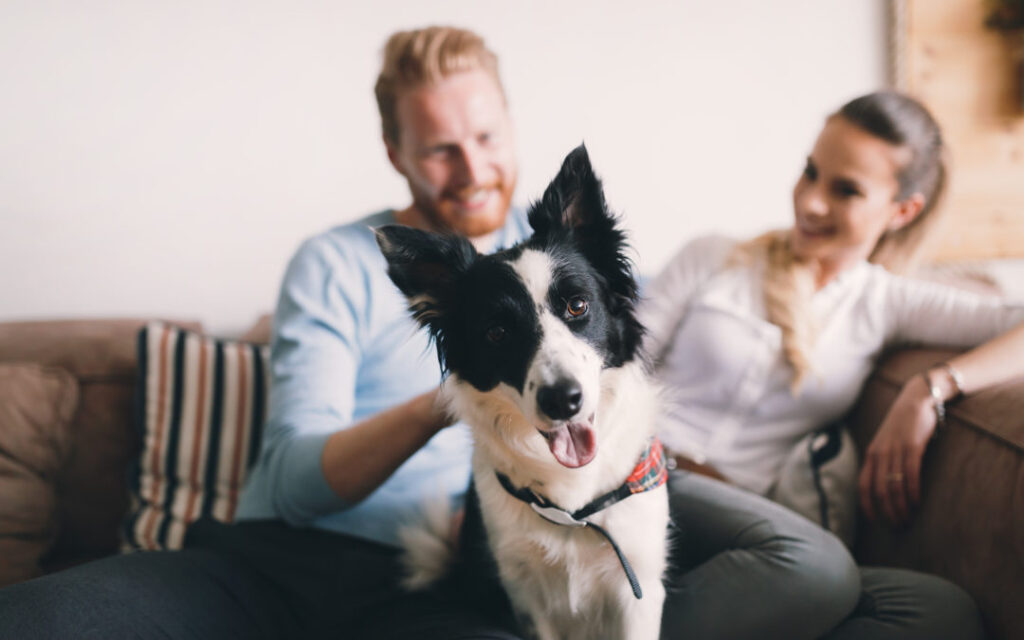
pixel 360 458
pixel 309 468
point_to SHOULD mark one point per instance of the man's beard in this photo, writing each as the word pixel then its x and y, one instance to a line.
pixel 442 213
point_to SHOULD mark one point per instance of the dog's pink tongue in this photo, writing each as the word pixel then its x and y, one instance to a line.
pixel 573 444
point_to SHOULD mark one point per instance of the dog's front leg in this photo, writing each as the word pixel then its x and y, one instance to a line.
pixel 642 619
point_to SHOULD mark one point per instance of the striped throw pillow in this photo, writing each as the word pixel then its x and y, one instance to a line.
pixel 201 406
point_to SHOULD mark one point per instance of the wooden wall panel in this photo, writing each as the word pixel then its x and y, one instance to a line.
pixel 965 73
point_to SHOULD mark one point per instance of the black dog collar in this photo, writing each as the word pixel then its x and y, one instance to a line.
pixel 650 473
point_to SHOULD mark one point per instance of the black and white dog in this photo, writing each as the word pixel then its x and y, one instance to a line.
pixel 541 344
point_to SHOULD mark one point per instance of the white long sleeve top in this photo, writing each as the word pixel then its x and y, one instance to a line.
pixel 727 382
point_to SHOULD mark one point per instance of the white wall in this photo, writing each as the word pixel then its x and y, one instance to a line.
pixel 164 158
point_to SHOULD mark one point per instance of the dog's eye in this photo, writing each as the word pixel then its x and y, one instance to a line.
pixel 496 333
pixel 577 307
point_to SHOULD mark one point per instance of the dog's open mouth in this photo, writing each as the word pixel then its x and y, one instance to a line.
pixel 572 443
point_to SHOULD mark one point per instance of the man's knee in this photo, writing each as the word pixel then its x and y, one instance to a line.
pixel 174 593
pixel 60 606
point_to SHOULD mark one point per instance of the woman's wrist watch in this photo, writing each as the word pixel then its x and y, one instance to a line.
pixel 939 397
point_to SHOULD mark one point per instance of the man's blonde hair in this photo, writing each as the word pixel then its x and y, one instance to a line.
pixel 424 57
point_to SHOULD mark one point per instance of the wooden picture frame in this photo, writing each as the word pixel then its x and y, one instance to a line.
pixel 941 52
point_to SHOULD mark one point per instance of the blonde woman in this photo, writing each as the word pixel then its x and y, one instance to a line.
pixel 762 342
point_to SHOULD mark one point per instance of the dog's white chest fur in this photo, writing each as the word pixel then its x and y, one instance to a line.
pixel 567 582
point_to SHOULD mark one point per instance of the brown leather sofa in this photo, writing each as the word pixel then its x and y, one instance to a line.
pixel 970 524
pixel 63 494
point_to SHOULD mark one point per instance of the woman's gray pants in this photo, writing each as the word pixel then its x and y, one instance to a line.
pixel 744 567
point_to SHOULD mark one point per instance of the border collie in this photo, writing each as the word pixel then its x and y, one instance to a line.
pixel 540 345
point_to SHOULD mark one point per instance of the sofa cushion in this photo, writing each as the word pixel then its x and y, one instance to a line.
pixel 202 402
pixel 36 407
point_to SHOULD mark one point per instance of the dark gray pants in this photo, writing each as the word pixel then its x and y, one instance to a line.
pixel 742 567
pixel 745 567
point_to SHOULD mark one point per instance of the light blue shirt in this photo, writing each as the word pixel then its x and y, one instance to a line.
pixel 344 348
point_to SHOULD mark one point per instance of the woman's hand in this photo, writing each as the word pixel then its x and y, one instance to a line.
pixel 890 479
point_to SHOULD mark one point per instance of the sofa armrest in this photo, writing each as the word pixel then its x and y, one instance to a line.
pixel 969 527
pixel 92 495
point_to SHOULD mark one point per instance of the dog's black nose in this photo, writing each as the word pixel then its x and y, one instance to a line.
pixel 560 401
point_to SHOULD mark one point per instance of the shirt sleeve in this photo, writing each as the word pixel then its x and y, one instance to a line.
pixel 665 300
pixel 315 354
pixel 936 314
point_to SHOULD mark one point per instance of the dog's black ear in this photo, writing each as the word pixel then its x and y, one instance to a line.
pixel 573 209
pixel 424 267
pixel 574 198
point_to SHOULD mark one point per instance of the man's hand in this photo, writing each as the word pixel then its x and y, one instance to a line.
pixel 360 458
pixel 428 409
pixel 890 479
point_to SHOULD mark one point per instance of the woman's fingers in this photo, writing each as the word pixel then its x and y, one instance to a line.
pixel 890 481
pixel 896 489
